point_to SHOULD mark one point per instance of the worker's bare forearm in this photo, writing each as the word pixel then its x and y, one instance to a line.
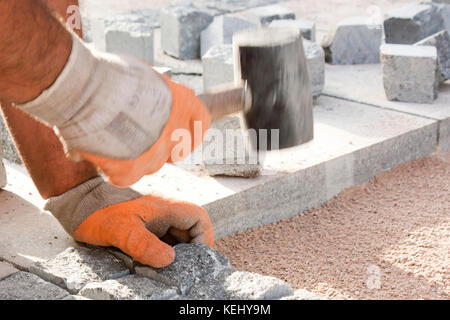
pixel 34 47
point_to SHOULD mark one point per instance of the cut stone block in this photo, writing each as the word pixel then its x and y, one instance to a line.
pixel 356 41
pixel 181 27
pixel 221 31
pixel 6 270
pixel 133 287
pixel 409 72
pixel 76 267
pixel 130 36
pixel 444 11
pixel 412 23
pixel 240 285
pixel 265 15
pixel 307 28
pixel 315 60
pixel 8 146
pixel 27 286
pixel 218 66
pixel 2 168
pixel 303 294
pixel 192 263
pixel 227 151
pixel 441 41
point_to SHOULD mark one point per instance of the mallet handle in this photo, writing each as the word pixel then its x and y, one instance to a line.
pixel 226 100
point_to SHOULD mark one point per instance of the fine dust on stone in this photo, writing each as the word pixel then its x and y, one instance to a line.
pixel 398 225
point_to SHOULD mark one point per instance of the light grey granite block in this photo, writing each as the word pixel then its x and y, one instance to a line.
pixel 265 15
pixel 133 287
pixel 240 285
pixel 221 31
pixel 409 72
pixel 315 60
pixel 307 27
pixel 76 267
pixel 356 41
pixel 441 41
pixel 192 263
pixel 412 23
pixel 218 66
pixel 181 27
pixel 27 286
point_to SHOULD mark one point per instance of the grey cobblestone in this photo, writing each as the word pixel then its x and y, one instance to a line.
pixel 27 286
pixel 192 263
pixel 133 287
pixel 412 23
pixel 240 285
pixel 76 267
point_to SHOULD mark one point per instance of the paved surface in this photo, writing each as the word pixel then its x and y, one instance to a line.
pixel 198 272
pixel 387 239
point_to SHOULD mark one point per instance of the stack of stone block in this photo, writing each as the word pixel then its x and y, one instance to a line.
pixel 416 56
pixel 198 273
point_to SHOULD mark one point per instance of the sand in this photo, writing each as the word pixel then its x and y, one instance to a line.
pixel 386 239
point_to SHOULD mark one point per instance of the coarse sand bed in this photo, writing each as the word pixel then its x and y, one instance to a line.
pixel 386 239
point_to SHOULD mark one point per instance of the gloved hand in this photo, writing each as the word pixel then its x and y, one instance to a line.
pixel 119 113
pixel 99 214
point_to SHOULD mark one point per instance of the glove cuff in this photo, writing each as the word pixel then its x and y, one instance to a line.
pixel 74 206
pixel 104 104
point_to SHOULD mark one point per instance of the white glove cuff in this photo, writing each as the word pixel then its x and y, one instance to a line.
pixel 104 104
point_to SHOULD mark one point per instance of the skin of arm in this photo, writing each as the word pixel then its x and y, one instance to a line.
pixel 34 47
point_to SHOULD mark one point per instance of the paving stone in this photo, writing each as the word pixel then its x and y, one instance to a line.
pixel 302 294
pixel 6 270
pixel 2 168
pixel 75 267
pixel 265 15
pixel 315 59
pixel 27 286
pixel 192 263
pixel 8 146
pixel 76 297
pixel 226 150
pixel 126 259
pixel 409 72
pixel 240 285
pixel 133 287
pixel 412 23
pixel 221 31
pixel 441 41
pixel 444 11
pixel 218 66
pixel 307 27
pixel 356 41
pixel 130 34
pixel 181 27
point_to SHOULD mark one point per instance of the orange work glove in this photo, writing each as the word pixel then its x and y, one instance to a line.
pixel 119 113
pixel 99 214
pixel 186 109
